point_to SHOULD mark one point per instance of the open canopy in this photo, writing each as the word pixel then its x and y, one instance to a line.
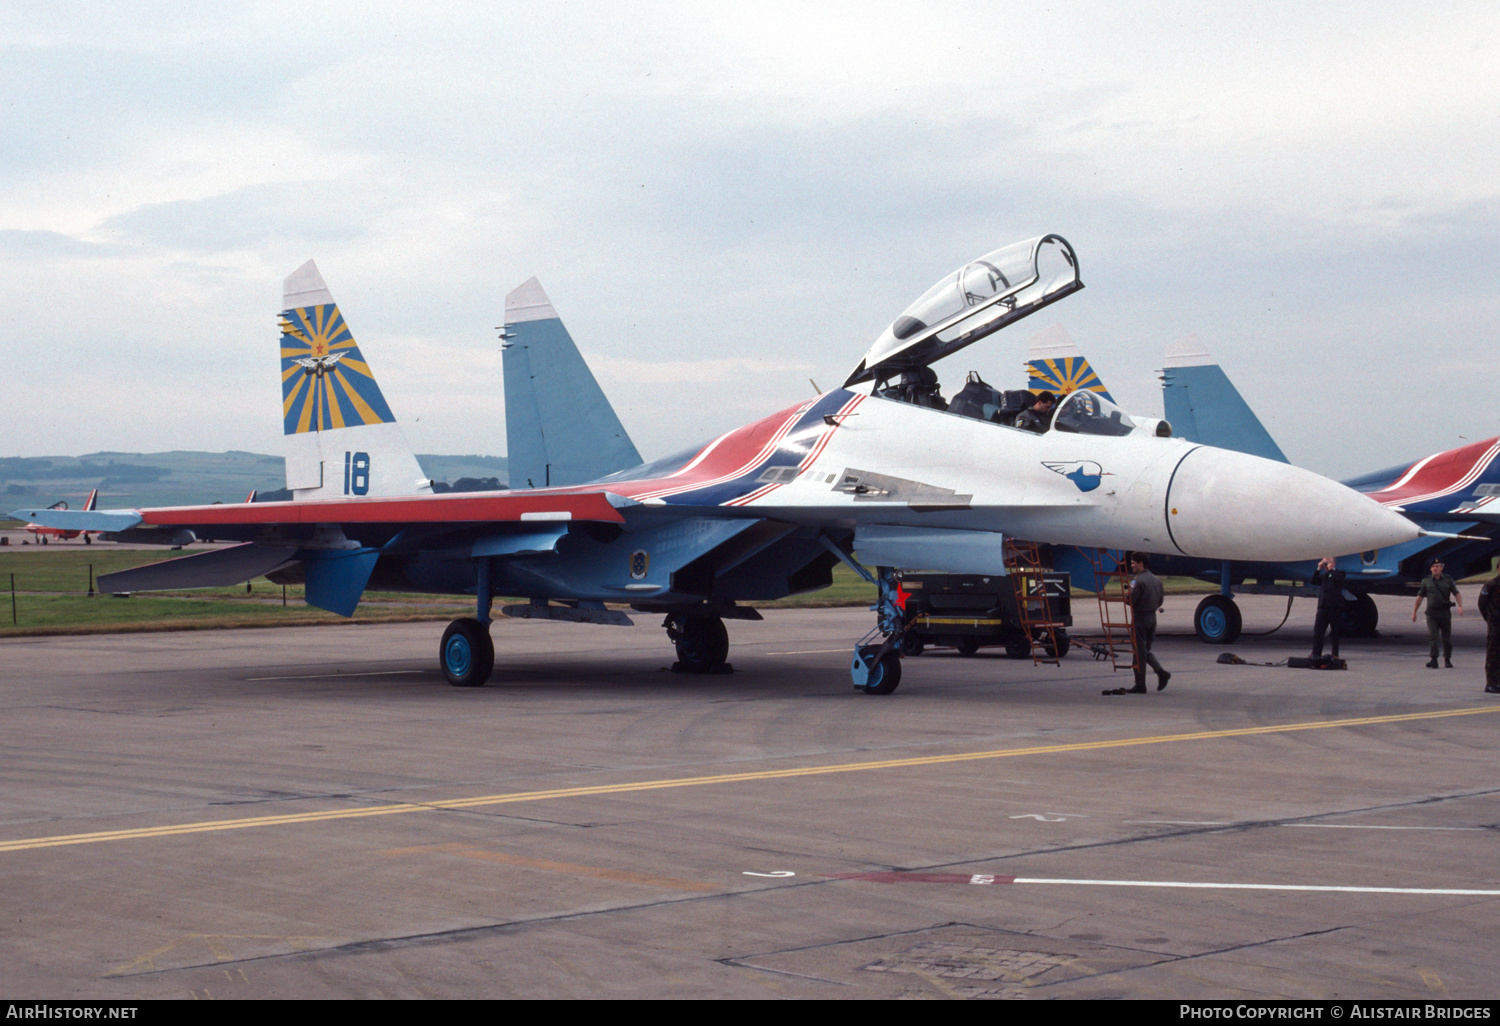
pixel 976 300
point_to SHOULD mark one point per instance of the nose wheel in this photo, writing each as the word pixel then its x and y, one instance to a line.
pixel 467 654
pixel 875 672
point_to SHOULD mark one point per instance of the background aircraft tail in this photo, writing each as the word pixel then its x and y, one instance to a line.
pixel 1057 365
pixel 341 437
pixel 559 427
pixel 1203 406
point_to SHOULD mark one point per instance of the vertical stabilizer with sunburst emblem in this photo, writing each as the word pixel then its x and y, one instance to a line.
pixel 341 437
pixel 1056 364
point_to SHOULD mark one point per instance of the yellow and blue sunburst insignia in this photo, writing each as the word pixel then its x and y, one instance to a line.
pixel 325 382
pixel 1065 374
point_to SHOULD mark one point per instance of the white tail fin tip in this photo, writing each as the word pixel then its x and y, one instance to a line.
pixel 1053 344
pixel 305 287
pixel 527 302
pixel 1188 351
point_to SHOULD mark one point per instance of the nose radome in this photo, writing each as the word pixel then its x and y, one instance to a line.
pixel 1228 505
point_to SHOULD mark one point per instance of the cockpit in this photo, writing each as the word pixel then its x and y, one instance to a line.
pixel 1088 413
pixel 971 303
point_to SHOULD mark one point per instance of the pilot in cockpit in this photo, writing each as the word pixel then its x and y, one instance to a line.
pixel 1039 416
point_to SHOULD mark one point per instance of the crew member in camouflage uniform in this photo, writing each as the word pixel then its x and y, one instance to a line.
pixel 1437 590
pixel 1489 608
pixel 1146 595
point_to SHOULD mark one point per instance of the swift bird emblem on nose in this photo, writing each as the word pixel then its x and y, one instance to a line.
pixel 1083 473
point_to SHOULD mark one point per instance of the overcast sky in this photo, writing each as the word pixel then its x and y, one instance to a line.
pixel 725 201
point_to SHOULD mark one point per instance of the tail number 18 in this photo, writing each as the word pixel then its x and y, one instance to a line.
pixel 356 473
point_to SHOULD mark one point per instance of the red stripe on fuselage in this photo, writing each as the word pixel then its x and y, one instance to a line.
pixel 1439 475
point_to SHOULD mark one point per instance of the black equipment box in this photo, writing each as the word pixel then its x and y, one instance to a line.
pixel 969 611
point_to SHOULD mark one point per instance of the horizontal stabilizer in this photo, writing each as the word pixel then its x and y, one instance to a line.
pixel 559 427
pixel 216 568
pixel 1203 406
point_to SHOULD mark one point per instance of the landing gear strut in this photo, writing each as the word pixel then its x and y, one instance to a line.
pixel 702 643
pixel 876 668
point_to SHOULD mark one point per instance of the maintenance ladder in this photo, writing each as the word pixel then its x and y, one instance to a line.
pixel 1112 587
pixel 1023 562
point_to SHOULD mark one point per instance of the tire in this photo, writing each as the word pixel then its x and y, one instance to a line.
pixel 1017 645
pixel 702 644
pixel 1057 648
pixel 1361 616
pixel 1216 621
pixel 912 645
pixel 967 646
pixel 467 654
pixel 885 676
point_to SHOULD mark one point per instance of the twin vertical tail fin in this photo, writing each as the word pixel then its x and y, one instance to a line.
pixel 559 427
pixel 341 436
pixel 1057 365
pixel 1203 406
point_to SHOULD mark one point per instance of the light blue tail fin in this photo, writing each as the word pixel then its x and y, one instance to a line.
pixel 559 428
pixel 1056 365
pixel 1203 406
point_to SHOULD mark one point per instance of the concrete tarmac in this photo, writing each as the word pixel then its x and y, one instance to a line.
pixel 313 812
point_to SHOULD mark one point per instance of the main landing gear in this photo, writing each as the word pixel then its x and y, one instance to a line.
pixel 702 643
pixel 467 653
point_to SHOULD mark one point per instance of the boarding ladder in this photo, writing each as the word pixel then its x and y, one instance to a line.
pixel 1112 588
pixel 1023 562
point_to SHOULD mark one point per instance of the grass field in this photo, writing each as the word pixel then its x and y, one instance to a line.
pixel 52 597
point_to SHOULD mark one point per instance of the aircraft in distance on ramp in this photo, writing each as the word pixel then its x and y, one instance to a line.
pixel 760 512
pixel 42 534
pixel 1452 496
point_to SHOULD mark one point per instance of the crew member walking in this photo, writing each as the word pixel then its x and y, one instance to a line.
pixel 1489 608
pixel 1437 590
pixel 1146 595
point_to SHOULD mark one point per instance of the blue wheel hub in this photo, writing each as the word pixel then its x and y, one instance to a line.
pixel 1214 622
pixel 458 655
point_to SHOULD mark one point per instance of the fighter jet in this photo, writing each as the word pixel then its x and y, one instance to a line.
pixel 873 473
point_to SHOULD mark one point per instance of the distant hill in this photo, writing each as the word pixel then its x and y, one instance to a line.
pixel 183 478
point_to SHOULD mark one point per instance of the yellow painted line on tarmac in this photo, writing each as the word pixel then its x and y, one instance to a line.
pixel 399 808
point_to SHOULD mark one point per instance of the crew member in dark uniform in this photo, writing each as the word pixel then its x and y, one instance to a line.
pixel 1146 596
pixel 1330 617
pixel 1437 590
pixel 1039 416
pixel 1489 608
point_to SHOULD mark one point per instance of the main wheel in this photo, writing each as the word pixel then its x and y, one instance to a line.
pixel 1056 647
pixel 702 643
pixel 467 654
pixel 1217 620
pixel 1361 616
pixel 1017 645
